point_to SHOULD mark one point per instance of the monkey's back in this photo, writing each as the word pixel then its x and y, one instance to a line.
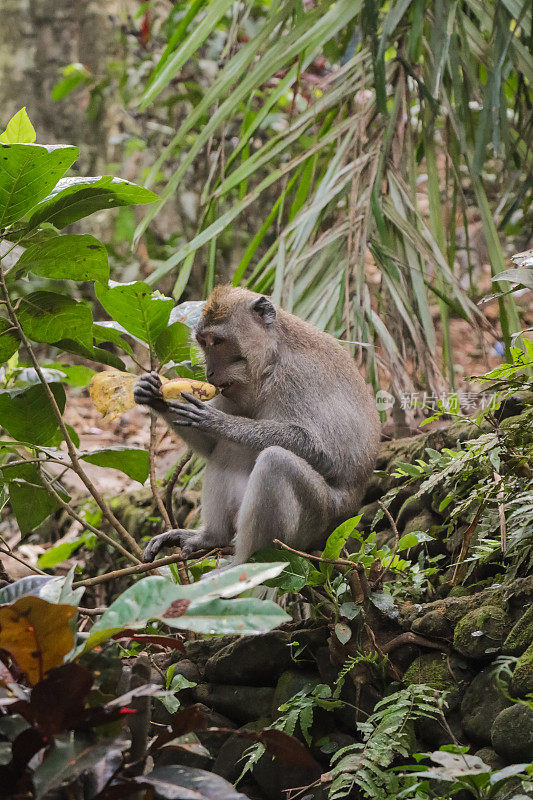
pixel 317 385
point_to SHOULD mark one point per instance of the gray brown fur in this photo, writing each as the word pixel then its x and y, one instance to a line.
pixel 291 442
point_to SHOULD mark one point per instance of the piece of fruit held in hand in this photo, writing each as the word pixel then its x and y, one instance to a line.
pixel 112 391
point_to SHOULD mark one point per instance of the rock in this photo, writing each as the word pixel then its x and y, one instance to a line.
pixel 481 632
pixel 290 683
pixel 491 758
pixel 434 670
pixel 520 635
pixel 512 733
pixel 256 660
pixel 522 682
pixel 188 669
pixel 186 754
pixel 228 762
pixel 433 625
pixel 481 705
pixel 276 777
pixel 240 703
pixel 412 507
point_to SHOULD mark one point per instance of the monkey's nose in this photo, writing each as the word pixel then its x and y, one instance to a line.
pixel 210 374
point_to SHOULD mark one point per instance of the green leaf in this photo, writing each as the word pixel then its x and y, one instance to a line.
pixel 151 598
pixel 69 257
pixel 243 615
pixel 27 174
pixel 30 502
pixel 339 537
pixel 73 75
pixel 61 552
pixel 97 354
pixel 9 342
pixel 407 541
pixel 173 343
pixel 132 461
pixel 51 317
pixel 106 332
pixel 27 414
pixel 384 601
pixel 298 572
pixel 19 129
pixel 73 374
pixel 75 198
pixel 141 311
pixel 343 632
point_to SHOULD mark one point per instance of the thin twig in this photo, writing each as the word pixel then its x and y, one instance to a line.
pixel 74 515
pixel 338 561
pixel 153 480
pixel 395 531
pixel 126 537
pixel 174 478
pixel 136 570
pixel 21 561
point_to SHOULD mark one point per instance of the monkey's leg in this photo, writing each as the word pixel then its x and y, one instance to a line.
pixel 285 499
pixel 189 540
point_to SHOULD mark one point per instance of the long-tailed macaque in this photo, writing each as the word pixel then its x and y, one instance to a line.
pixel 291 439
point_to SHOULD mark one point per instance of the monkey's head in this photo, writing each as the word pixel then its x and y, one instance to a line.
pixel 237 335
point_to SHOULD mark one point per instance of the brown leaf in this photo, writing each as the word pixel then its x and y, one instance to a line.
pixel 37 634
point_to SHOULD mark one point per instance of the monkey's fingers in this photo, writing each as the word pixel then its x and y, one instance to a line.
pixel 147 389
pixel 167 539
pixel 194 401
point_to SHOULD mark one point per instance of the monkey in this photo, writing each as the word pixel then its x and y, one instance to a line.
pixel 290 440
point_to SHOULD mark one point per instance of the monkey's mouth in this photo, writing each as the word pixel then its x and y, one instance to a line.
pixel 223 387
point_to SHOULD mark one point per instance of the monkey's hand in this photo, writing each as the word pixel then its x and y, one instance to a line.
pixel 147 392
pixel 196 414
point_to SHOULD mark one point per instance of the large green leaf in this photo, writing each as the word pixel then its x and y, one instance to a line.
pixel 133 461
pixel 141 311
pixel 151 598
pixel 9 342
pixel 69 257
pixel 50 317
pixel 19 129
pixel 98 354
pixel 27 174
pixel 173 343
pixel 27 414
pixel 75 198
pixel 30 502
pixel 244 615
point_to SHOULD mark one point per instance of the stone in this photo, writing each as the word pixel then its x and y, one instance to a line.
pixel 413 506
pixel 276 777
pixel 260 660
pixel 433 625
pixel 481 705
pixel 257 660
pixel 481 632
pixel 290 683
pixel 491 758
pixel 240 703
pixel 228 762
pixel 512 733
pixel 521 634
pixel 437 671
pixel 522 682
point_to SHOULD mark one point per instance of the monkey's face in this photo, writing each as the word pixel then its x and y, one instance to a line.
pixel 225 365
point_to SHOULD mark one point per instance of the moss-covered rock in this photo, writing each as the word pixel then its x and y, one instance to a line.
pixel 520 635
pixel 481 705
pixel 290 683
pixel 433 625
pixel 481 632
pixel 522 682
pixel 512 733
pixel 491 758
pixel 438 671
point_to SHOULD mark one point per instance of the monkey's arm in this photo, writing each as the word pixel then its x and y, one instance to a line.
pixel 254 434
pixel 147 391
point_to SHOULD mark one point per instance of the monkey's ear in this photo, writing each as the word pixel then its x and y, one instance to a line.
pixel 264 309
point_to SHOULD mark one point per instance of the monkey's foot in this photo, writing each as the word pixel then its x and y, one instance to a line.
pixel 147 391
pixel 189 540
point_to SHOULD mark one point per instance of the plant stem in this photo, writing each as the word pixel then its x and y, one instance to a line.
pixel 76 466
pixel 136 570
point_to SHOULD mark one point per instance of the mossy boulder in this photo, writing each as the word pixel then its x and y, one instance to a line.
pixel 512 733
pixel 439 672
pixel 522 682
pixel 290 683
pixel 481 632
pixel 521 634
pixel 491 758
pixel 481 705
pixel 433 625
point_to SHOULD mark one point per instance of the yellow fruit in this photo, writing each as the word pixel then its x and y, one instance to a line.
pixel 173 389
pixel 112 391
